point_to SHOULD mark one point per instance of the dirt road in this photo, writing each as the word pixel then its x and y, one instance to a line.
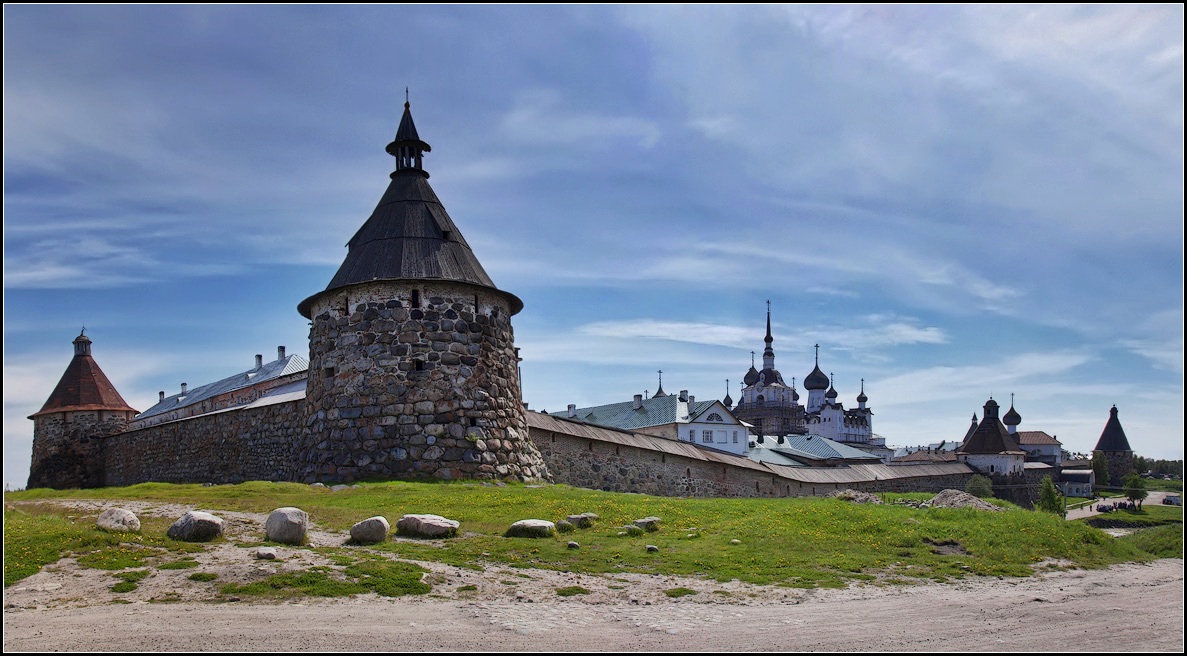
pixel 1125 608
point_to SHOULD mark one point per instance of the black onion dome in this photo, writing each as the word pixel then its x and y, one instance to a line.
pixel 862 398
pixel 816 380
pixel 795 396
pixel 1012 418
pixel 831 393
pixel 728 401
pixel 751 376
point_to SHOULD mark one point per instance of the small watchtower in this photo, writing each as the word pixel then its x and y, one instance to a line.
pixel 69 429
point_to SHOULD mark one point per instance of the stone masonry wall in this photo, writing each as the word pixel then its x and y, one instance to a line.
pixel 223 447
pixel 68 447
pixel 414 381
pixel 594 464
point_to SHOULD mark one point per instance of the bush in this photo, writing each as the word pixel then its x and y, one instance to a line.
pixel 1049 498
pixel 979 486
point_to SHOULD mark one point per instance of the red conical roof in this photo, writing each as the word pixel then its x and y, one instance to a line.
pixel 83 386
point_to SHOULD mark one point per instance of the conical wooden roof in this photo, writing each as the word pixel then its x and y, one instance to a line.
pixel 83 386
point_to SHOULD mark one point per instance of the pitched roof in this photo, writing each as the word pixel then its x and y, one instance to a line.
pixel 991 436
pixel 83 386
pixel 1112 438
pixel 928 456
pixel 655 411
pixel 1035 437
pixel 268 371
pixel 815 447
pixel 409 236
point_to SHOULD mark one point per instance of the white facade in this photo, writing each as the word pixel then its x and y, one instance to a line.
pixel 716 427
pixel 993 463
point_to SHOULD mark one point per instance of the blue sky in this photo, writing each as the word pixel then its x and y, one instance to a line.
pixel 955 202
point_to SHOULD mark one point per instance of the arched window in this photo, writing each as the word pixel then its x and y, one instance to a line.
pixel 714 417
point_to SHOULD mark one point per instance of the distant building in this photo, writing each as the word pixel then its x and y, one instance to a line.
pixel 991 449
pixel 676 417
pixel 1077 483
pixel 773 407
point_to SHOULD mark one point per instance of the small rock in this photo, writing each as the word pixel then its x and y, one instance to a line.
pixel 370 530
pixel 584 520
pixel 649 524
pixel 266 553
pixel 735 541
pixel 322 485
pixel 287 525
pixel 196 526
pixel 426 526
pixel 339 487
pixel 531 528
pixel 573 545
pixel 118 519
pixel 651 548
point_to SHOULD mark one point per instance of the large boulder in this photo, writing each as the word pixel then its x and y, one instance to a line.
pixel 426 526
pixel 196 526
pixel 531 528
pixel 118 519
pixel 370 530
pixel 287 525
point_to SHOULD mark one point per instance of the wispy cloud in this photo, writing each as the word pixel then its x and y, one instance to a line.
pixel 539 117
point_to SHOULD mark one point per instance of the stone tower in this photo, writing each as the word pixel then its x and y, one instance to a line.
pixel 412 365
pixel 1115 447
pixel 69 429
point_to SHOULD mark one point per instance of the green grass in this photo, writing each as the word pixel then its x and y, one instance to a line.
pixel 133 576
pixel 202 576
pixel 36 535
pixel 835 542
pixel 124 586
pixel 571 591
pixel 372 574
pixel 679 592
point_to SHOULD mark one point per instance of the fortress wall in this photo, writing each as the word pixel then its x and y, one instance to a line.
pixel 599 465
pixel 223 447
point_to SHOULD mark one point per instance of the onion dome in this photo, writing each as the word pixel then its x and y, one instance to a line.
pixel 831 393
pixel 751 376
pixel 795 396
pixel 728 401
pixel 1012 418
pixel 861 397
pixel 816 380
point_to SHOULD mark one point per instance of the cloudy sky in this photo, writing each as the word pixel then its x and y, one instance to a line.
pixel 955 202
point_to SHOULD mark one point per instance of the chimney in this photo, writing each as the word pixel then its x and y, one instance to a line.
pixel 162 396
pixel 683 396
pixel 183 389
pixel 572 410
pixel 638 401
pixel 691 400
pixel 279 352
pixel 259 360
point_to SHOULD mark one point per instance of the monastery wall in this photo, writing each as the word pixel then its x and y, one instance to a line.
pixel 222 447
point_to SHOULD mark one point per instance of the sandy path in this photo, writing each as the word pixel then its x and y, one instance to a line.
pixel 1124 608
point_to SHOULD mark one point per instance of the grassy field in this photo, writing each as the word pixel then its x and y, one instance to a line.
pixel 805 542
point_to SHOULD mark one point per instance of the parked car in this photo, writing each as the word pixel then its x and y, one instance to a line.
pixel 1172 500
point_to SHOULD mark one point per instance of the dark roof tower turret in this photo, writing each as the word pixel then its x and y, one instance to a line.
pixel 1011 419
pixel 409 236
pixel 861 397
pixel 728 400
pixel 832 390
pixel 1112 438
pixel 660 390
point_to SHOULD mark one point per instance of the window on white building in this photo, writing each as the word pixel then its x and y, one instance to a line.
pixel 735 437
pixel 707 436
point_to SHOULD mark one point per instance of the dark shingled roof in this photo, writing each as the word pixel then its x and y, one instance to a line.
pixel 409 236
pixel 991 435
pixel 1112 438
pixel 83 386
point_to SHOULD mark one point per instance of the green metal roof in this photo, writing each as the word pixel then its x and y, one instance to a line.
pixel 655 411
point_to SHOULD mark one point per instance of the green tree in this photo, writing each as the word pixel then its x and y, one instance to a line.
pixel 1135 488
pixel 1050 500
pixel 1100 467
pixel 979 486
